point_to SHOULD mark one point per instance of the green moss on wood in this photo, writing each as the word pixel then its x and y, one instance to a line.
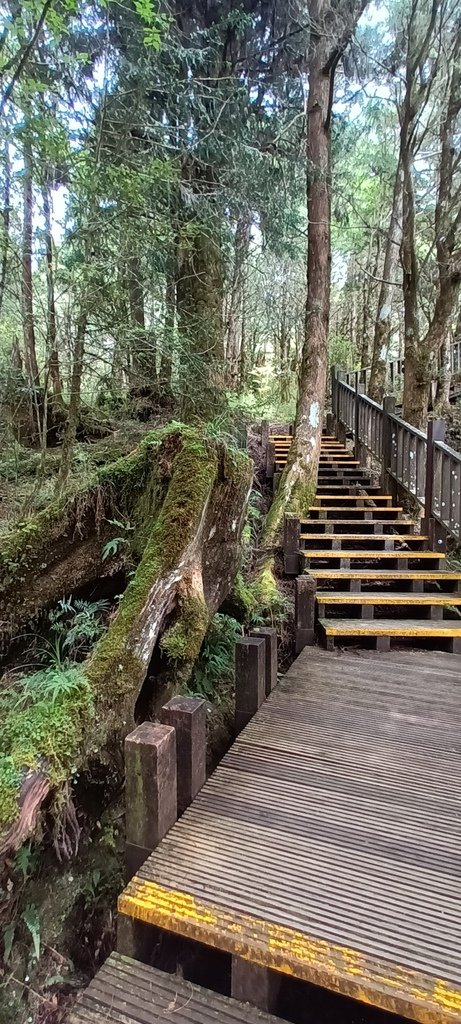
pixel 183 640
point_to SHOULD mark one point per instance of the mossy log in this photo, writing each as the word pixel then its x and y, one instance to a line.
pixel 186 497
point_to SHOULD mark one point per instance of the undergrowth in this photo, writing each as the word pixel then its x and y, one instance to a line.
pixel 214 670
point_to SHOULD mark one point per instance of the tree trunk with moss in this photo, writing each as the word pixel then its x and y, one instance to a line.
pixel 185 498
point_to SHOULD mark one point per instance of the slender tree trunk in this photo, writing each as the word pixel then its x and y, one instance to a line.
pixel 143 356
pixel 382 332
pixel 234 313
pixel 6 222
pixel 74 401
pixel 442 395
pixel 166 362
pixel 53 357
pixel 298 484
pixel 30 354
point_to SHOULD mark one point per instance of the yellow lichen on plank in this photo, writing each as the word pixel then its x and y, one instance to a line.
pixel 385 984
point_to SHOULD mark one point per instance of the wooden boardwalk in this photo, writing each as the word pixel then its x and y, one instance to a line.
pixel 327 843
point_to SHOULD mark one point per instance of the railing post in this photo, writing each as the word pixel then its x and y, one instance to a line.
pixel 187 716
pixel 388 407
pixel 150 790
pixel 358 390
pixel 270 460
pixel 264 433
pixel 269 635
pixel 305 591
pixel 334 394
pixel 250 679
pixel 291 532
pixel 435 432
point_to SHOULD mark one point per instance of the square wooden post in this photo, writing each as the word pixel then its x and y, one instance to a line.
pixel 270 460
pixel 150 790
pixel 291 544
pixel 305 591
pixel 187 715
pixel 264 433
pixel 250 679
pixel 436 430
pixel 269 635
pixel 388 407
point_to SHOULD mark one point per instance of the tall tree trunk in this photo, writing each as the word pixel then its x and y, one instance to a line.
pixel 442 394
pixel 6 222
pixel 30 355
pixel 166 362
pixel 51 333
pixel 143 355
pixel 74 400
pixel 234 314
pixel 200 291
pixel 382 332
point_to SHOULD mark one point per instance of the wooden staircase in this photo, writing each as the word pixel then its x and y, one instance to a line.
pixel 377 580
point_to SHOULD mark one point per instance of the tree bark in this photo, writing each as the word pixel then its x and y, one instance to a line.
pixel 234 316
pixel 51 332
pixel 74 401
pixel 382 332
pixel 6 222
pixel 30 355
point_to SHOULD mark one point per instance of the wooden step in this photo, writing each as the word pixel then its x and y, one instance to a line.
pixel 380 597
pixel 372 526
pixel 366 538
pixel 365 510
pixel 353 497
pixel 416 579
pixel 125 991
pixel 382 630
pixel 343 554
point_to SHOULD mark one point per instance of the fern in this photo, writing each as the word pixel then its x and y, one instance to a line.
pixel 32 921
pixel 215 666
pixel 48 684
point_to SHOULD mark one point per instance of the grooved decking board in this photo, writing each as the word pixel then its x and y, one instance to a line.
pixel 327 843
pixel 127 991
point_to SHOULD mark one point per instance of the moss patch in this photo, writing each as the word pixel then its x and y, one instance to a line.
pixel 182 642
pixel 42 734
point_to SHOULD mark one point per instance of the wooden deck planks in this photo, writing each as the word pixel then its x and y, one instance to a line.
pixel 326 844
pixel 127 992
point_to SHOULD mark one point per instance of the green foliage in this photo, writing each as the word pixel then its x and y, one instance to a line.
pixel 31 919
pixel 214 670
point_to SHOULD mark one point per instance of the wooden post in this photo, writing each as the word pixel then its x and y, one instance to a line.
pixel 253 984
pixel 388 407
pixel 334 396
pixel 357 416
pixel 270 460
pixel 291 544
pixel 264 433
pixel 435 432
pixel 187 715
pixel 276 481
pixel 150 790
pixel 250 679
pixel 305 591
pixel 269 635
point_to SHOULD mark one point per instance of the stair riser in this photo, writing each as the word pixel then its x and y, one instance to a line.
pixel 435 613
pixel 410 561
pixel 386 643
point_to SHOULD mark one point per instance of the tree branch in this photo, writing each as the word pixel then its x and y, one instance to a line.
pixel 25 55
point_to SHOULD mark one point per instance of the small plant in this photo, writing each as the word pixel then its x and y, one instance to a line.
pixel 31 919
pixel 113 546
pixel 215 666
pixel 76 625
pixel 49 684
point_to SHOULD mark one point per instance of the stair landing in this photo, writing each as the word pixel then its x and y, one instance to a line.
pixel 326 844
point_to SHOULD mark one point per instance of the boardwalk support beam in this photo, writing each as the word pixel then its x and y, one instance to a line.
pixel 291 544
pixel 250 679
pixel 305 591
pixel 253 984
pixel 269 635
pixel 187 715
